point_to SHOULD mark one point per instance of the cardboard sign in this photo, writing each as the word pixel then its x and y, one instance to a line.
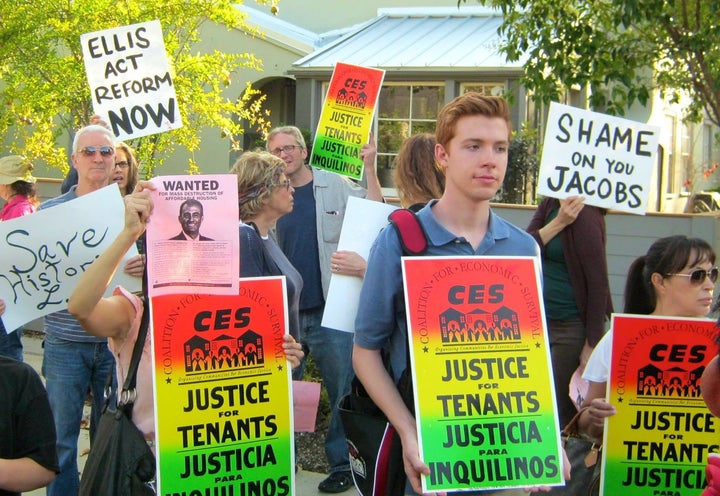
pixel 659 440
pixel 208 259
pixel 363 221
pixel 484 394
pixel 45 253
pixel 130 81
pixel 223 396
pixel 346 119
pixel 606 159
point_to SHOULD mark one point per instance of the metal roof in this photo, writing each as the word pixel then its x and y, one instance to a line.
pixel 427 39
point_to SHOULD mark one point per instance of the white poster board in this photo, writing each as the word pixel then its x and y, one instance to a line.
pixel 363 221
pixel 130 81
pixel 606 159
pixel 45 253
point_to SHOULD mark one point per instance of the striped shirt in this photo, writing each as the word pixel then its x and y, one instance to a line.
pixel 62 324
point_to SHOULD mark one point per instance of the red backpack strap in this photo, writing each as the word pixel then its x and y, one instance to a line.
pixel 411 234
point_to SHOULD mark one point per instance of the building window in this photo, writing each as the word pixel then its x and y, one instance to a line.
pixel 487 89
pixel 670 168
pixel 686 169
pixel 404 109
pixel 707 145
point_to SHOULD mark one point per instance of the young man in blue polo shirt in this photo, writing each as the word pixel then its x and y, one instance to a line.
pixel 473 133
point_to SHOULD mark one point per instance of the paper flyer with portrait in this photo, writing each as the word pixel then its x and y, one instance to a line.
pixel 659 440
pixel 193 242
pixel 44 254
pixel 484 394
pixel 131 84
pixel 223 394
pixel 607 159
pixel 346 119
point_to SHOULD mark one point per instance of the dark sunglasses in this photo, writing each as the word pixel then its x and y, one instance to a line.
pixel 105 151
pixel 698 276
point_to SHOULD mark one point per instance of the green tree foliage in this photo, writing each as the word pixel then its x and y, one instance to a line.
pixel 44 91
pixel 520 182
pixel 620 49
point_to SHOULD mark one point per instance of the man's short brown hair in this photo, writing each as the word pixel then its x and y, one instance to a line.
pixel 469 104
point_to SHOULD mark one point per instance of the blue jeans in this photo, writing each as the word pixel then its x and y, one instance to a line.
pixel 332 352
pixel 70 368
pixel 11 345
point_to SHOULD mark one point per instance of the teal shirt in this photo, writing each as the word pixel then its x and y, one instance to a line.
pixel 557 289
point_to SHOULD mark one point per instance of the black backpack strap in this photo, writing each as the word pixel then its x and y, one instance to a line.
pixel 411 234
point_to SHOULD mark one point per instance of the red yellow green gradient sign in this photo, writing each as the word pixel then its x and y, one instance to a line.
pixel 657 443
pixel 484 395
pixel 346 119
pixel 223 395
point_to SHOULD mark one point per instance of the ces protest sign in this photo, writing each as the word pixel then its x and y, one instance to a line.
pixel 606 159
pixel 346 119
pixel 129 77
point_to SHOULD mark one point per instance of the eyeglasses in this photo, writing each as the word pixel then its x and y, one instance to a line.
pixel 105 151
pixel 122 164
pixel 286 149
pixel 191 216
pixel 284 184
pixel 698 276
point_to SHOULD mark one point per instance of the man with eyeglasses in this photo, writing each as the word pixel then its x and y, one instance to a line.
pixel 309 236
pixel 190 218
pixel 74 361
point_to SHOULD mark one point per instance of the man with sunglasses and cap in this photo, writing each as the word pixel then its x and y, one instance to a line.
pixel 74 361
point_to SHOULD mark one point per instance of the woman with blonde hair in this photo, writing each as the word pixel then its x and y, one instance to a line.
pixel 265 195
pixel 118 317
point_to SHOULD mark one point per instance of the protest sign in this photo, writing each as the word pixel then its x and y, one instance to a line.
pixel 346 119
pixel 223 399
pixel 606 159
pixel 130 82
pixel 363 221
pixel 45 253
pixel 658 441
pixel 484 394
pixel 193 242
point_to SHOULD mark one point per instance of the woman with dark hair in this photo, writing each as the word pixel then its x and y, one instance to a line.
pixel 418 177
pixel 576 289
pixel 17 188
pixel 675 278
pixel 125 172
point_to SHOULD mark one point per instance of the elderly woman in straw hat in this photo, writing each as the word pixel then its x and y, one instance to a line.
pixel 17 188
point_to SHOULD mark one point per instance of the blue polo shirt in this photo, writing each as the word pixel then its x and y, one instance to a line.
pixel 381 310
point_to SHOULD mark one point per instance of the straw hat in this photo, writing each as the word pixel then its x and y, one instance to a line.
pixel 15 168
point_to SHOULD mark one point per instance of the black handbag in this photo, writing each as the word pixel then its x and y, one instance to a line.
pixel 374 447
pixel 121 462
pixel 585 463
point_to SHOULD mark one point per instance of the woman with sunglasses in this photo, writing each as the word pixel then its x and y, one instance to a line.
pixel 265 195
pixel 675 278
